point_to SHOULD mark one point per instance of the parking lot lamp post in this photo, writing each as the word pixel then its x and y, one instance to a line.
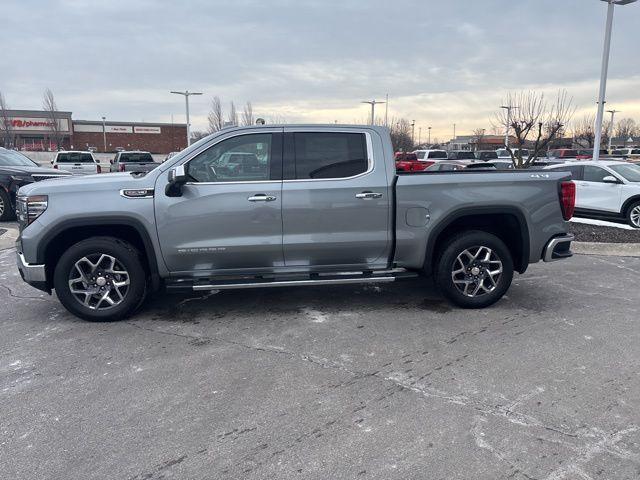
pixel 413 132
pixel 603 75
pixel 508 108
pixel 186 95
pixel 429 136
pixel 373 104
pixel 613 114
pixel 104 134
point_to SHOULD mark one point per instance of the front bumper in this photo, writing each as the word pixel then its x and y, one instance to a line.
pixel 34 275
pixel 558 248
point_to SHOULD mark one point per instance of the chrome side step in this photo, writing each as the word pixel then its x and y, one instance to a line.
pixel 293 283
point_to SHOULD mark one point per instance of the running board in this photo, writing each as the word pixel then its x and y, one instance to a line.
pixel 293 283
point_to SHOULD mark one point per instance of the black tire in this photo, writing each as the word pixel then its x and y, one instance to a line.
pixel 6 209
pixel 448 261
pixel 633 215
pixel 127 259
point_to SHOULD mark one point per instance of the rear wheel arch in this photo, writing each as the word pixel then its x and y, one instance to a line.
pixel 56 242
pixel 507 223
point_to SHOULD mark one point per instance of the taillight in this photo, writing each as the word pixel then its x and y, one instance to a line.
pixel 121 167
pixel 98 169
pixel 568 199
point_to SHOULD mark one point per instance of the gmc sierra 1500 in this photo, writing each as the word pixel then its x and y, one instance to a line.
pixel 271 206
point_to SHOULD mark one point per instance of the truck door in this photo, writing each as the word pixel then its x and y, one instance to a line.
pixel 227 218
pixel 335 199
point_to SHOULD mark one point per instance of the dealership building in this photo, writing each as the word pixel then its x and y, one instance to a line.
pixel 37 130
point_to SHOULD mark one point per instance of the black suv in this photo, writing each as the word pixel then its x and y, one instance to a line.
pixel 17 170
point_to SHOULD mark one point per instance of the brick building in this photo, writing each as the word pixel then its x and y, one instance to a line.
pixel 34 130
pixel 150 137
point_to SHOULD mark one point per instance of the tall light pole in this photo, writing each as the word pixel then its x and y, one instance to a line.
pixel 187 94
pixel 603 76
pixel 373 104
pixel 104 134
pixel 613 114
pixel 429 136
pixel 386 110
pixel 454 131
pixel 419 135
pixel 413 132
pixel 508 108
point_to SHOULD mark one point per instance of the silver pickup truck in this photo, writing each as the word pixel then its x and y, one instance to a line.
pixel 273 206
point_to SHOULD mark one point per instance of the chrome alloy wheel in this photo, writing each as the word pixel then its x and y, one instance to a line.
pixel 634 216
pixel 99 281
pixel 476 271
pixel 2 206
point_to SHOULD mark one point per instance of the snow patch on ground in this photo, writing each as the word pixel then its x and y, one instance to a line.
pixel 316 316
pixel 602 223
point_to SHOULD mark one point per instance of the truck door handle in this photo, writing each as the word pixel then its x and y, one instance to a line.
pixel 261 197
pixel 368 195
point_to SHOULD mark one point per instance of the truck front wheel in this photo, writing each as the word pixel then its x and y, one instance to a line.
pixel 100 279
pixel 474 270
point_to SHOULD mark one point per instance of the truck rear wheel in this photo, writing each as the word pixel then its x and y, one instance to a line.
pixel 474 270
pixel 100 279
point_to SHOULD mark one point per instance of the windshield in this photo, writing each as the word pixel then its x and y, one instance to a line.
pixel 135 157
pixel 438 154
pixel 11 158
pixel 487 155
pixel 75 157
pixel 630 172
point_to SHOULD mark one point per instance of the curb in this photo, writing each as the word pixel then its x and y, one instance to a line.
pixel 8 239
pixel 606 249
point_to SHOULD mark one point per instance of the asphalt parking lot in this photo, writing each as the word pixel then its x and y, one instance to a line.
pixel 352 382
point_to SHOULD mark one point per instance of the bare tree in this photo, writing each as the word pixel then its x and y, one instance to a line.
pixel 478 137
pixel 216 115
pixel 626 128
pixel 584 131
pixel 535 123
pixel 198 135
pixel 50 108
pixel 401 135
pixel 6 129
pixel 247 115
pixel 233 115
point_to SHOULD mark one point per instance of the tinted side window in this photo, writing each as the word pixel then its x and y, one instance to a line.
pixel 438 155
pixel 244 158
pixel 594 174
pixel 575 170
pixel 330 155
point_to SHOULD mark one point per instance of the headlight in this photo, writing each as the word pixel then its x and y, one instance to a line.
pixel 22 178
pixel 29 208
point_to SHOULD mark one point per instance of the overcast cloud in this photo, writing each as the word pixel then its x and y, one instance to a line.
pixel 442 62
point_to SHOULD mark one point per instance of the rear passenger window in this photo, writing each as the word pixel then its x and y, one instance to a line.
pixel 575 170
pixel 330 155
pixel 594 174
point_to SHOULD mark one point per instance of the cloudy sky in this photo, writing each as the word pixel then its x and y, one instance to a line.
pixel 440 61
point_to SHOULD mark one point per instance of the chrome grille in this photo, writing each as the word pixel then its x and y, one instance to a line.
pixel 39 177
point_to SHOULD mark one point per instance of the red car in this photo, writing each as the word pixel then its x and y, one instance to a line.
pixel 408 162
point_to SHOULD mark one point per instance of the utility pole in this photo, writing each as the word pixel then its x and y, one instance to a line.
pixel 386 110
pixel 186 95
pixel 605 70
pixel 104 134
pixel 413 132
pixel 373 104
pixel 508 108
pixel 613 113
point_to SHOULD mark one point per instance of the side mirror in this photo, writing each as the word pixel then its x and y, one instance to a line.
pixel 610 179
pixel 111 161
pixel 177 178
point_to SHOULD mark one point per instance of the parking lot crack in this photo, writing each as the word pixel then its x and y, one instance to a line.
pixel 23 297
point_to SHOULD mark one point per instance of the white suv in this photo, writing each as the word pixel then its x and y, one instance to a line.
pixel 606 189
pixel 76 162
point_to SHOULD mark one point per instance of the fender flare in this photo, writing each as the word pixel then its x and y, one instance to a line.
pixel 448 220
